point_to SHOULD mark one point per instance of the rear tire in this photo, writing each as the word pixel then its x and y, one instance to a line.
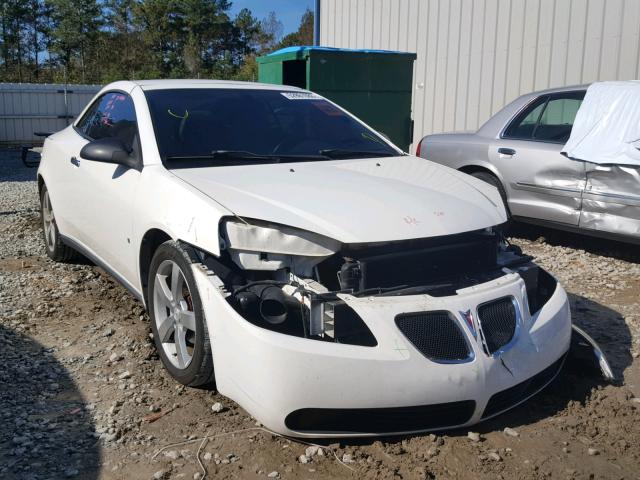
pixel 177 318
pixel 55 247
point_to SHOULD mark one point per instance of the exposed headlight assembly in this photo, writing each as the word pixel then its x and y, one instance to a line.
pixel 293 310
pixel 266 246
pixel 293 307
pixel 336 321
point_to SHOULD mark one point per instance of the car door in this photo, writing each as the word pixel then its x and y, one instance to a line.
pixel 611 201
pixel 540 182
pixel 105 204
pixel 63 180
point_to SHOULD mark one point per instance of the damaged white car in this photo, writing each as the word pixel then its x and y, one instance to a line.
pixel 327 282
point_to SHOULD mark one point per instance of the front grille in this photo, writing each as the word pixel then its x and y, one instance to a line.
pixel 381 420
pixel 518 393
pixel 498 320
pixel 437 335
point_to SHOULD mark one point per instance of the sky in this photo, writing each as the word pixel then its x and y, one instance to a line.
pixel 287 11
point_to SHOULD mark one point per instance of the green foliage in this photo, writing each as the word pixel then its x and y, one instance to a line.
pixel 304 34
pixel 99 41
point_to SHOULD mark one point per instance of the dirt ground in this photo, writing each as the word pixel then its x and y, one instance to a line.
pixel 80 379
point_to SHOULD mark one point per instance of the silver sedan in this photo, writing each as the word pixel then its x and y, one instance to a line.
pixel 518 151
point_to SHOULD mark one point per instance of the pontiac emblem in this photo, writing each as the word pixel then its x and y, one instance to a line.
pixel 468 319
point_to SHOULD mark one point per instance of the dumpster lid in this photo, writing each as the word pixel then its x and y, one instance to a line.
pixel 307 48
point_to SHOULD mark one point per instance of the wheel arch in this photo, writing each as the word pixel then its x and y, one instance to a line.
pixel 150 242
pixel 491 170
pixel 475 168
pixel 40 184
pixel 486 167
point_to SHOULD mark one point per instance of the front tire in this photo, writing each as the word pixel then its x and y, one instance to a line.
pixel 177 319
pixel 55 247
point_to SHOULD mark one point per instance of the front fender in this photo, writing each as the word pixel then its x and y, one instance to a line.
pixel 181 211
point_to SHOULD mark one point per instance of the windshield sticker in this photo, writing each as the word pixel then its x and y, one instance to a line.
pixel 300 95
pixel 183 117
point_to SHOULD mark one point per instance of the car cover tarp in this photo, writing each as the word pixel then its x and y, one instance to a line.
pixel 606 129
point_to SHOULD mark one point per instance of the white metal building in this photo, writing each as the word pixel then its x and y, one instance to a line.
pixel 29 107
pixel 475 56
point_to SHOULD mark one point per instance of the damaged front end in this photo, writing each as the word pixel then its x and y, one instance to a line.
pixel 305 285
pixel 295 282
pixel 319 338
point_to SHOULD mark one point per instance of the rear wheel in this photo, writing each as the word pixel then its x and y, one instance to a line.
pixel 56 249
pixel 177 319
pixel 492 180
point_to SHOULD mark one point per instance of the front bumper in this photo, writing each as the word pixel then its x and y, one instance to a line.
pixel 302 387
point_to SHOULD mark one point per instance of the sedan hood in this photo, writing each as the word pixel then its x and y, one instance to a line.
pixel 354 201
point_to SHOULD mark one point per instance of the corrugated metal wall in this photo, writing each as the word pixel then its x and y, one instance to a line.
pixel 475 56
pixel 26 108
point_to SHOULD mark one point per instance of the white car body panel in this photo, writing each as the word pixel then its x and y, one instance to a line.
pixel 410 197
pixel 105 210
pixel 270 375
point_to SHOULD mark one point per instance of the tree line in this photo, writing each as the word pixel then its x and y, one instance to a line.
pixel 98 41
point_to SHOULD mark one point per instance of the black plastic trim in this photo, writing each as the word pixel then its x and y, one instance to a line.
pixel 446 349
pixel 381 420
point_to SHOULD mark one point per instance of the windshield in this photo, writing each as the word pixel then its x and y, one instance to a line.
pixel 218 126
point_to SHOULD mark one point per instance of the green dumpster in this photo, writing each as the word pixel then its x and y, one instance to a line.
pixel 374 85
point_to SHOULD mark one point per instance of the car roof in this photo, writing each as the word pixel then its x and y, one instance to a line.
pixel 568 88
pixel 128 85
pixel 492 127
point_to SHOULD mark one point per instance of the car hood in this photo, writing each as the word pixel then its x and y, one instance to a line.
pixel 354 201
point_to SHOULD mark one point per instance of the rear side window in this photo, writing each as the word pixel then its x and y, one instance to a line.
pixel 557 120
pixel 112 115
pixel 547 119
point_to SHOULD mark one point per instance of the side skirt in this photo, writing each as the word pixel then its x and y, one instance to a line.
pixel 102 264
pixel 576 229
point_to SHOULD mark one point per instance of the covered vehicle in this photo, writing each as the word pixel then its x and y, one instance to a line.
pixel 590 186
pixel 324 280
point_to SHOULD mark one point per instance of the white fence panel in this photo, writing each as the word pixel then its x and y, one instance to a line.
pixel 26 108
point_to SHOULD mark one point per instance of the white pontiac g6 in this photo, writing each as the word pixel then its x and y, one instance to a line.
pixel 324 280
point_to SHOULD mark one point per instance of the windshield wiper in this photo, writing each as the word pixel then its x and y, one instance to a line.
pixel 234 155
pixel 342 153
pixel 243 155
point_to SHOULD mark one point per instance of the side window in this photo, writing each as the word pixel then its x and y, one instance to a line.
pixel 524 124
pixel 548 119
pixel 82 123
pixel 557 120
pixel 112 115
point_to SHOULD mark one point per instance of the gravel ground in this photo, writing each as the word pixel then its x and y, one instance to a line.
pixel 80 382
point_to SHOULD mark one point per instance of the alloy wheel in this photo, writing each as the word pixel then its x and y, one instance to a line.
pixel 174 315
pixel 48 222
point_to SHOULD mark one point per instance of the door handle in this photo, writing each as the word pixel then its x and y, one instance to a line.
pixel 506 151
pixel 75 161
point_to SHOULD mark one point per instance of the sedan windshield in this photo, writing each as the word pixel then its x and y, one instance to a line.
pixel 237 126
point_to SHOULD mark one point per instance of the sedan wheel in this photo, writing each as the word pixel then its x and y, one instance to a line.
pixel 48 222
pixel 174 317
pixel 56 249
pixel 177 319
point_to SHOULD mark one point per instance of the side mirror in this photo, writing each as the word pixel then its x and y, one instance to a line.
pixel 109 150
